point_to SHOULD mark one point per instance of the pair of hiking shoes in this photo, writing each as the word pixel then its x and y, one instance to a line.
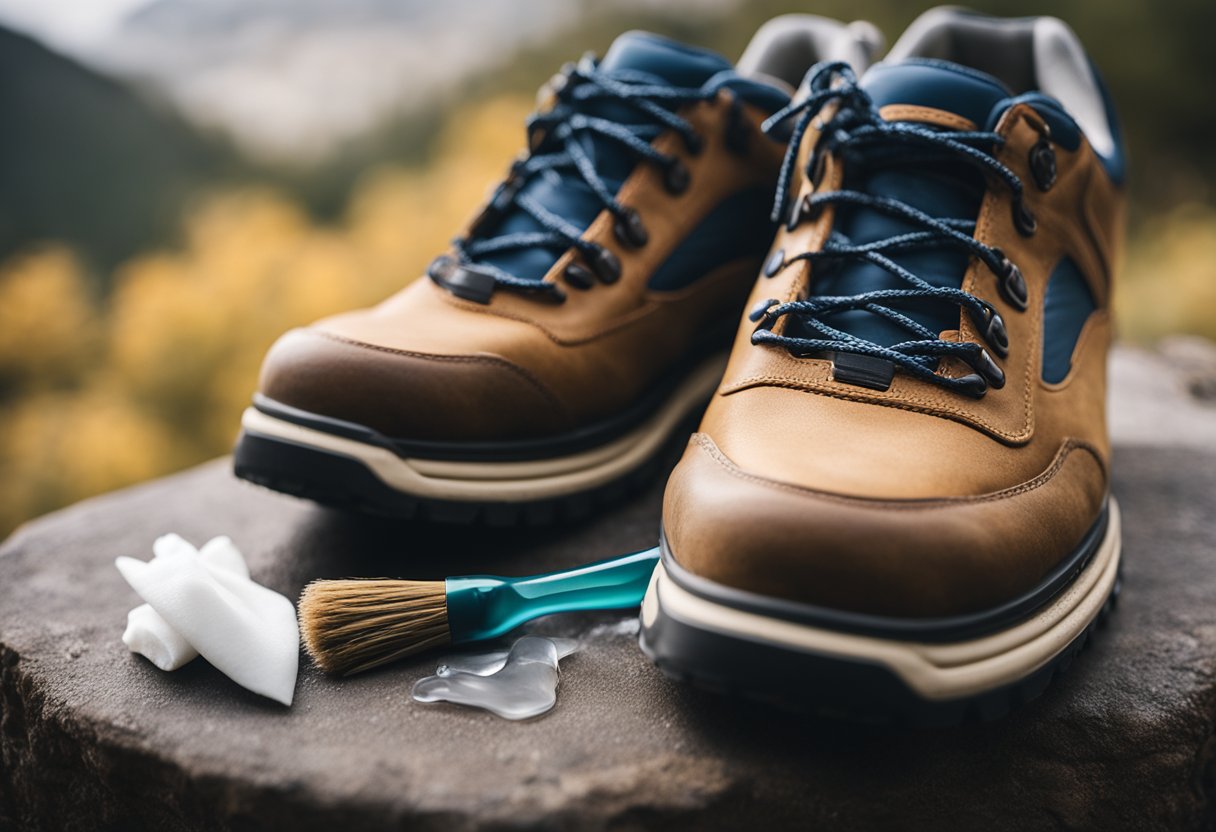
pixel 897 501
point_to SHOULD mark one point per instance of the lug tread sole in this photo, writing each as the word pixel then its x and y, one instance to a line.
pixel 346 484
pixel 909 710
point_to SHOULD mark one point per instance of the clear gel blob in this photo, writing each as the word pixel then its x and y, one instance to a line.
pixel 515 684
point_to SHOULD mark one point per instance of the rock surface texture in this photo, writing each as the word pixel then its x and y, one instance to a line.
pixel 92 736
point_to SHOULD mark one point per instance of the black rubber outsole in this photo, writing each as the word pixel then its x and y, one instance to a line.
pixel 832 687
pixel 345 483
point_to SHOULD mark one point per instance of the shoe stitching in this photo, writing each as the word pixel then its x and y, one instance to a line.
pixel 900 401
pixel 910 401
pixel 921 349
pixel 1066 449
pixel 916 112
pixel 601 229
pixel 1097 319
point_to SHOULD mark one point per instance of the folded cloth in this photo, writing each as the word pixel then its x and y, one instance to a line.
pixel 210 605
pixel 147 633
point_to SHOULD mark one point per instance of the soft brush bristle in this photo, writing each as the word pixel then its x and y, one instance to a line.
pixel 352 626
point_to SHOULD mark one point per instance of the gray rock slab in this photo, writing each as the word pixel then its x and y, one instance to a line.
pixel 91 736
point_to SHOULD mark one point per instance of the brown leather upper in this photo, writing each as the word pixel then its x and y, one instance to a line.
pixel 427 365
pixel 914 501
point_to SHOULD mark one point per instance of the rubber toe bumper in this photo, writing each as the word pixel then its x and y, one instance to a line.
pixel 350 465
pixel 827 670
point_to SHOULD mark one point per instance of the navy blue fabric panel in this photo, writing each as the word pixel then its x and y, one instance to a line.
pixel 1066 307
pixel 642 57
pixel 945 189
pixel 1064 130
pixel 933 191
pixel 676 63
pixel 764 96
pixel 738 227
pixel 931 83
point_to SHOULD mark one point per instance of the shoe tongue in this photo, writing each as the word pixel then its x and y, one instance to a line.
pixel 948 188
pixel 665 59
pixel 635 57
pixel 938 84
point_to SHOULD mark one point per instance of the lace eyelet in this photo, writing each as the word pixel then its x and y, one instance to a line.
pixel 1043 164
pixel 774 263
pixel 579 276
pixel 738 132
pixel 991 327
pixel 1023 219
pixel 630 230
pixel 677 178
pixel 800 210
pixel 817 168
pixel 441 267
pixel 551 91
pixel 972 384
pixel 606 265
pixel 1013 284
pixel 758 315
pixel 993 375
pixel 694 144
pixel 760 309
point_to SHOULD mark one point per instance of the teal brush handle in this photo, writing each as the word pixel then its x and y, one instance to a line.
pixel 482 606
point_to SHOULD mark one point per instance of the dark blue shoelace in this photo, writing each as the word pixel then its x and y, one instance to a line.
pixel 556 136
pixel 857 125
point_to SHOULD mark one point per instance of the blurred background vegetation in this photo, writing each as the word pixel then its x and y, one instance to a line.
pixel 161 222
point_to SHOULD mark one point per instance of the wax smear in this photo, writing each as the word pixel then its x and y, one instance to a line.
pixel 248 632
pixel 515 684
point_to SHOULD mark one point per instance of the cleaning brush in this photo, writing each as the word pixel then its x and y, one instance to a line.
pixel 354 625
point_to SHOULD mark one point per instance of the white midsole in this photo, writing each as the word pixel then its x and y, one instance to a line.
pixel 509 481
pixel 934 671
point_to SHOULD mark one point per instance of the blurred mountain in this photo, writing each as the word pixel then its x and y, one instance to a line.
pixel 104 145
pixel 294 79
pixel 86 161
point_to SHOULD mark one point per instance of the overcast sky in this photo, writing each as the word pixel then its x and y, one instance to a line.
pixel 287 81
pixel 69 24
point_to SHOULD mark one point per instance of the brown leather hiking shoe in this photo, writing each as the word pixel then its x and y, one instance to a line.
pixel 581 318
pixel 897 503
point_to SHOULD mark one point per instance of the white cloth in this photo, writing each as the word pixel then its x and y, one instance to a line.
pixel 147 633
pixel 204 602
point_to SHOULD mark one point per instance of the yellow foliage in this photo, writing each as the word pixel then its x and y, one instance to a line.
pixel 60 447
pixel 47 323
pixel 1169 282
pixel 158 376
